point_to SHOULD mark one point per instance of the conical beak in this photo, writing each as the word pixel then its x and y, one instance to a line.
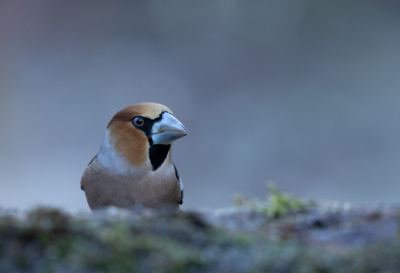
pixel 167 130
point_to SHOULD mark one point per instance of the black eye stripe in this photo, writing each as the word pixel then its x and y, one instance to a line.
pixel 146 126
pixel 157 153
pixel 147 123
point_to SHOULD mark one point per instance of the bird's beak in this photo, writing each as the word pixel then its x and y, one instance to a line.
pixel 167 130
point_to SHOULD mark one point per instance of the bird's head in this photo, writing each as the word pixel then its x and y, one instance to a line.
pixel 140 135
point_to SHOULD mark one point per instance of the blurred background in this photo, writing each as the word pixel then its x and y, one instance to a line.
pixel 304 93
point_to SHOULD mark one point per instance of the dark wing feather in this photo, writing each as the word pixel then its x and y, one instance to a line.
pixel 177 177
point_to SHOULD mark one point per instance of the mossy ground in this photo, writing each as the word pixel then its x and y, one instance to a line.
pixel 318 239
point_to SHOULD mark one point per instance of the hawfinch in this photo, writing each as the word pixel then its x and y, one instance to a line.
pixel 133 166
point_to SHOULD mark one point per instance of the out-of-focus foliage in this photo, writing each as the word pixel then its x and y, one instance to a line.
pixel 277 203
pixel 323 239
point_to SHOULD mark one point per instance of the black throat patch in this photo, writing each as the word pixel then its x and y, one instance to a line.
pixel 158 154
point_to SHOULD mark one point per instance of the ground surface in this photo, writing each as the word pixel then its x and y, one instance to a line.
pixel 318 238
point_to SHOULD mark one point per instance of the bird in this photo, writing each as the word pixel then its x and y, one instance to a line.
pixel 133 167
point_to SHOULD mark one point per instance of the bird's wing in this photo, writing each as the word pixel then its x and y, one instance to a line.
pixel 91 161
pixel 180 183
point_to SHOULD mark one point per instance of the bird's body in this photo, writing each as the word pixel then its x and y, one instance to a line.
pixel 133 166
pixel 105 188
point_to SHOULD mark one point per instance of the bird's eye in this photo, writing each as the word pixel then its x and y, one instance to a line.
pixel 138 121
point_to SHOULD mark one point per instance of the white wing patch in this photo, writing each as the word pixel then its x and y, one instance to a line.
pixel 180 183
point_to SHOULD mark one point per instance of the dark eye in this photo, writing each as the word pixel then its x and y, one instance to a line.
pixel 138 121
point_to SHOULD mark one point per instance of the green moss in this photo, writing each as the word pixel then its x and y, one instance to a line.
pixel 282 203
pixel 243 239
pixel 52 241
pixel 277 203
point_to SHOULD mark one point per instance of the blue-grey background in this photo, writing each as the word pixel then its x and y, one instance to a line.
pixel 305 93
